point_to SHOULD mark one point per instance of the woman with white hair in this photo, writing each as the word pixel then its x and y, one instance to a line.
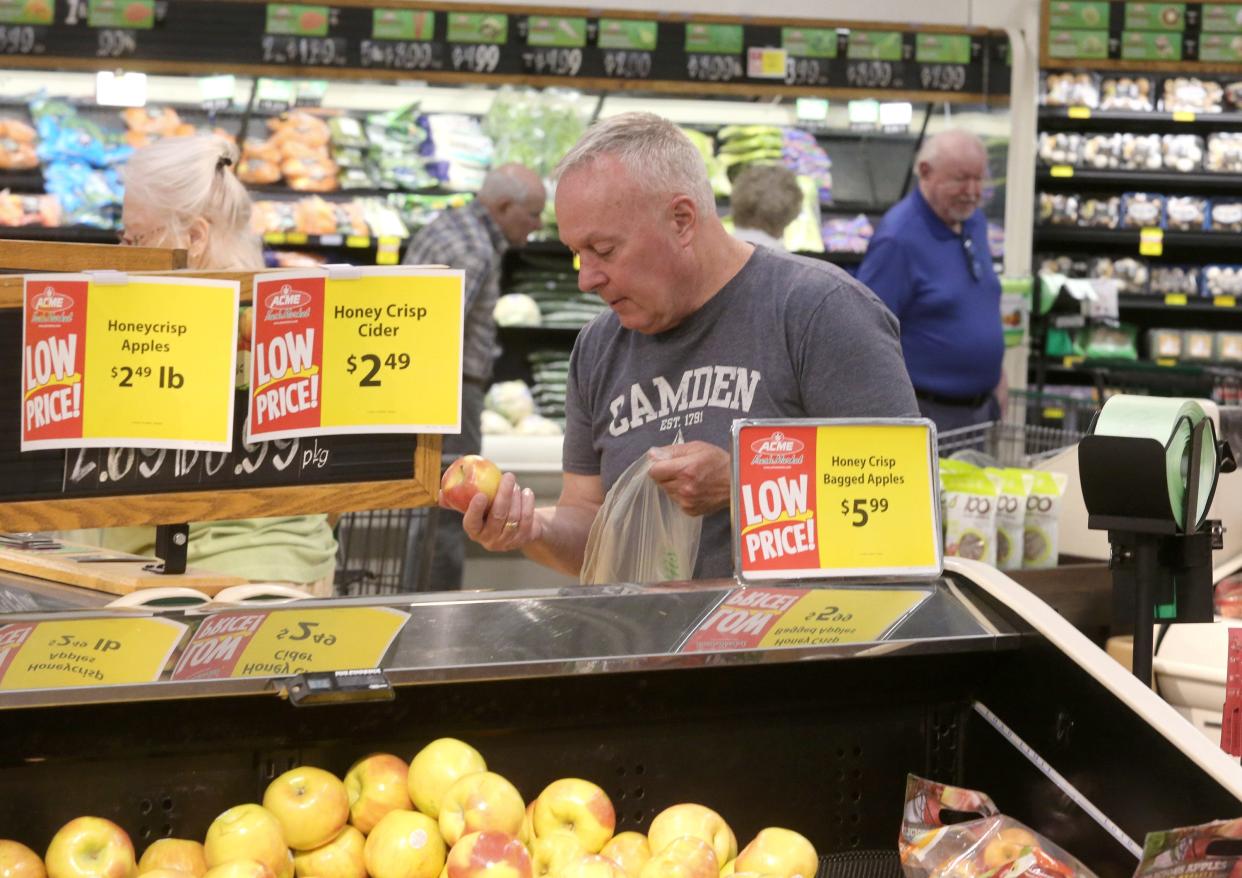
pixel 183 193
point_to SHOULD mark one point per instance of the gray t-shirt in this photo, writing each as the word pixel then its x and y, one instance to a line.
pixel 786 337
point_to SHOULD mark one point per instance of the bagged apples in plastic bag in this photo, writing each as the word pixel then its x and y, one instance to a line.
pixel 1210 849
pixel 949 831
pixel 640 534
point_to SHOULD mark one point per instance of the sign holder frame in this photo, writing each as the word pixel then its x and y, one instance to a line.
pixel 175 508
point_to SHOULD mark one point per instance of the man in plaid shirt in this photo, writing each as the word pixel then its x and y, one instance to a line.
pixel 474 238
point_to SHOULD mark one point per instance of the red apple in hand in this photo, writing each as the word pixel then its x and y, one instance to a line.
pixel 19 861
pixel 467 476
pixel 90 847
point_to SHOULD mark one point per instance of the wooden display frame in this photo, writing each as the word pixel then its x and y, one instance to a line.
pixel 174 507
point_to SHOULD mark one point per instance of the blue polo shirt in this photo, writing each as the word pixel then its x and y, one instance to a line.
pixel 950 321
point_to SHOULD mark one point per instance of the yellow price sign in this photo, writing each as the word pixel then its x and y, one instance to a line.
pixel 1175 299
pixel 296 238
pixel 85 652
pixel 1061 171
pixel 1151 242
pixel 1079 112
pixel 767 618
pixel 1183 116
pixel 279 643
pixel 1225 301
pixel 363 350
pixel 835 498
pixel 358 241
pixel 128 360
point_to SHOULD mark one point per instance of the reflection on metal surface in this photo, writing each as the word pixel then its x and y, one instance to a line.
pixel 468 636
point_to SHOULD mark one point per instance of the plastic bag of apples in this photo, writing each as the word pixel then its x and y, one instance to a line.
pixel 951 831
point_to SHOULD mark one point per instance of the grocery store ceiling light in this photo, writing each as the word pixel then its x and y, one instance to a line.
pixel 120 89
pixel 896 115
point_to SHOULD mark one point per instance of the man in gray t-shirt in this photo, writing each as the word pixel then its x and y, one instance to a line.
pixel 703 329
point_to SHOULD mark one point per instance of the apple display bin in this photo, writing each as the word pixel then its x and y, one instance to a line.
pixel 589 682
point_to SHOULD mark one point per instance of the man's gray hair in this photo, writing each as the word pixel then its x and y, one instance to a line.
pixel 505 183
pixel 951 140
pixel 652 149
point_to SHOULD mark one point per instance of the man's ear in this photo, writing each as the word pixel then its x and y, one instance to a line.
pixel 924 169
pixel 685 216
pixel 197 234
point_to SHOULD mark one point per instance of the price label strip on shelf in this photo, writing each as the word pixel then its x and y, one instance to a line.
pixel 86 652
pixel 843 498
pixel 1071 791
pixel 766 618
pixel 121 361
pixel 1151 242
pixel 279 643
pixel 378 351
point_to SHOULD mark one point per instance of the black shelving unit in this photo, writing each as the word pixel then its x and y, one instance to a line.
pixel 1074 179
pixel 1081 119
pixel 1189 246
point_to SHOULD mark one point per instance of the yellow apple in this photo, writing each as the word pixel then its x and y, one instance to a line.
pixel 488 854
pixel 685 857
pixel 311 805
pixel 479 802
pixel 527 833
pixel 167 873
pixel 550 854
pixel 629 850
pixel 698 821
pixel 19 861
pixel 434 768
pixel 727 869
pixel 579 806
pixel 592 866
pixel 248 832
pixel 339 858
pixel 780 852
pixel 90 847
pixel 179 854
pixel 404 844
pixel 376 785
pixel 239 869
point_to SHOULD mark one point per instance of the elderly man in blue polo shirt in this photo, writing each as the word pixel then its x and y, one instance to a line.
pixel 929 262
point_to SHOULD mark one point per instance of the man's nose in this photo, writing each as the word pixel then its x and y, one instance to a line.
pixel 589 279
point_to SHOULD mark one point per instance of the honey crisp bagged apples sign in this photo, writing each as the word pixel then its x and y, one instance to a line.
pixel 846 498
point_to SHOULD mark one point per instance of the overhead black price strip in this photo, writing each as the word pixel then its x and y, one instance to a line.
pixel 361 41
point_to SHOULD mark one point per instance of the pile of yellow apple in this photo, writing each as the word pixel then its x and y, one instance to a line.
pixel 443 815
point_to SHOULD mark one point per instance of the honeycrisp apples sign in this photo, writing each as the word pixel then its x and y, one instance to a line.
pixel 356 350
pixel 842 498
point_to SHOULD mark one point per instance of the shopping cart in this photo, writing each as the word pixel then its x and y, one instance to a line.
pixel 384 551
pixel 1035 427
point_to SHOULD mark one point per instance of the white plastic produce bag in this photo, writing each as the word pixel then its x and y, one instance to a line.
pixel 640 534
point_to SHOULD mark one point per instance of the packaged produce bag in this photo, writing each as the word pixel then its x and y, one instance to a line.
pixel 968 503
pixel 1014 486
pixel 1212 849
pixel 1043 511
pixel 950 831
pixel 640 534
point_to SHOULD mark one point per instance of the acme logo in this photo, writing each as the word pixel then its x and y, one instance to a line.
pixel 287 297
pixel 777 443
pixel 51 301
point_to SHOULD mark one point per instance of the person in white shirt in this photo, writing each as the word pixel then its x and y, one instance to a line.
pixel 765 199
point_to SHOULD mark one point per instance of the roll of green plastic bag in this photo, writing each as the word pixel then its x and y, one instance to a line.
pixel 1014 486
pixel 1043 512
pixel 969 502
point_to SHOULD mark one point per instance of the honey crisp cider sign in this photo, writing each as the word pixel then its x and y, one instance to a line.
pixel 831 499
pixel 356 350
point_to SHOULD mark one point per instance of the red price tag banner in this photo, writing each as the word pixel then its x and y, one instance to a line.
pixel 12 638
pixel 53 362
pixel 287 357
